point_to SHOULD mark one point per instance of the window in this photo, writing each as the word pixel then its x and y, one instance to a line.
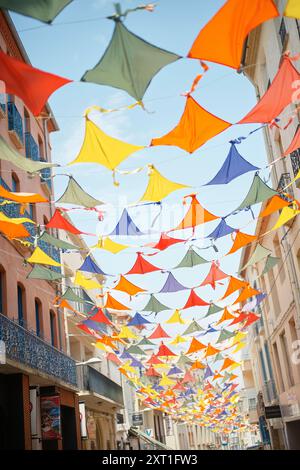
pixel 38 317
pixel 286 357
pixel 279 255
pixel 27 120
pixel 2 291
pixel 53 328
pixel 252 403
pixel 32 211
pixel 41 148
pixel 21 304
pixel 278 367
pixel 15 183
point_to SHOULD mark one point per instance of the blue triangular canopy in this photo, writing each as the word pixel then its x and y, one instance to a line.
pixel 126 226
pixel 93 325
pixel 234 166
pixel 89 266
pixel 138 320
pixel 175 370
pixel 126 355
pixel 172 285
pixel 136 363
pixel 221 230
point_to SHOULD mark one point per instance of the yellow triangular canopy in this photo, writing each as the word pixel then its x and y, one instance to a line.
pixel 159 187
pixel 40 257
pixel 178 339
pixel 15 220
pixel 86 283
pixel 109 245
pixel 166 381
pixel 126 333
pixel 238 337
pixel 286 214
pixel 103 149
pixel 239 346
pixel 176 318
pixel 292 9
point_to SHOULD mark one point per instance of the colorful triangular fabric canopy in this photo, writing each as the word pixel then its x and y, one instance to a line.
pixel 40 257
pixel 195 346
pixel 159 332
pixel 138 320
pixel 215 274
pixel 285 216
pixel 72 296
pixel 258 254
pixel 221 230
pixel 22 198
pixel 126 286
pixel 191 259
pixel 195 128
pixel 192 328
pixel 292 9
pixel 258 192
pixel 165 241
pixel 154 305
pixel 89 266
pixel 100 317
pixel 74 194
pixel 129 63
pixel 43 10
pixel 172 285
pixel 213 309
pixel 40 272
pixel 113 304
pixel 99 147
pixel 270 263
pixel 222 38
pixel 85 282
pixel 126 227
pixel 110 245
pixel 195 215
pixel 47 238
pixel 241 240
pixel 278 96
pixel 234 285
pixel 58 221
pixel 225 335
pixel 276 204
pixel 159 187
pixel 142 266
pixel 176 318
pixel 32 85
pixel 294 145
pixel 164 351
pixel 13 231
pixel 194 301
pixel 235 165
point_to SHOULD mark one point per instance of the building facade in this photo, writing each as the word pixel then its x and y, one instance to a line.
pixel 38 383
pixel 273 339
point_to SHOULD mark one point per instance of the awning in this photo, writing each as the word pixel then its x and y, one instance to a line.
pixel 150 440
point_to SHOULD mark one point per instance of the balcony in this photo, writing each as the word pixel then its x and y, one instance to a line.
pixel 15 125
pixel 94 381
pixel 285 179
pixel 46 177
pixel 295 161
pixel 31 147
pixel 269 391
pixel 26 348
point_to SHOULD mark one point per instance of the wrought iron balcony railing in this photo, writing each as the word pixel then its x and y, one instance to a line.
pixel 94 381
pixel 15 124
pixel 285 179
pixel 295 161
pixel 31 147
pixel 26 348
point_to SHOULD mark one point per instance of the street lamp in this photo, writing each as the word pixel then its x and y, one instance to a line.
pixel 92 360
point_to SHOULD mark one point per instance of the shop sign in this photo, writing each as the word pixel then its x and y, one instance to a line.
pixel 50 417
pixel 137 419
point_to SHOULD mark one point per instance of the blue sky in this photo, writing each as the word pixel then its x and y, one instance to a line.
pixel 70 49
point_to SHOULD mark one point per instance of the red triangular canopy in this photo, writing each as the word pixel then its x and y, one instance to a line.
pixel 277 97
pixel 113 304
pixel 194 301
pixel 294 145
pixel 100 317
pixel 158 333
pixel 196 126
pixel 222 38
pixel 154 360
pixel 58 221
pixel 242 316
pixel 151 372
pixel 178 386
pixel 215 274
pixel 196 215
pixel 32 85
pixel 141 266
pixel 85 328
pixel 165 351
pixel 251 318
pixel 165 241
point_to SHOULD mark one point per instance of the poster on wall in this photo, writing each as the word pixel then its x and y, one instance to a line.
pixel 50 418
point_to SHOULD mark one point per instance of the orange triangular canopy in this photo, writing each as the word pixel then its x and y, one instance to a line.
pixel 196 126
pixel 196 215
pixel 165 241
pixel 22 198
pixel 215 274
pixel 217 376
pixel 32 85
pixel 246 293
pixel 198 365
pixel 227 363
pixel 211 351
pixel 222 38
pixel 126 286
pixel 59 222
pixel 226 316
pixel 113 304
pixel 275 204
pixel 195 346
pixel 158 333
pixel 12 231
pixel 241 239
pixel 234 285
pixel 277 97
pixel 141 266
pixel 194 301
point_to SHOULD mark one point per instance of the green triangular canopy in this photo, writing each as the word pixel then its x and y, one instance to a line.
pixel 224 335
pixel 41 272
pixel 43 10
pixel 183 360
pixel 135 349
pixel 45 237
pixel 218 357
pixel 70 295
pixel 213 309
pixel 258 254
pixel 258 192
pixel 74 194
pixel 145 342
pixel 26 164
pixel 191 259
pixel 226 377
pixel 154 305
pixel 193 326
pixel 270 263
pixel 129 63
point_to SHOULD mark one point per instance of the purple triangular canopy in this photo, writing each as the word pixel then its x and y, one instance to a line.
pixel 172 285
pixel 221 230
pixel 126 226
pixel 93 325
pixel 208 373
pixel 138 320
pixel 136 363
pixel 234 166
pixel 89 266
pixel 175 370
pixel 126 355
